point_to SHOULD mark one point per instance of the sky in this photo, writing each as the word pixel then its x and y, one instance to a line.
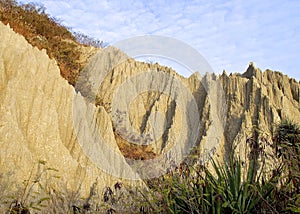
pixel 228 34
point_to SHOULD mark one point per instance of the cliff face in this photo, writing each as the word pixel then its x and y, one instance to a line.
pixel 257 101
pixel 44 118
pixel 37 123
pixel 231 109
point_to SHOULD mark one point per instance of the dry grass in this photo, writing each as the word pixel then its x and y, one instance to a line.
pixel 45 32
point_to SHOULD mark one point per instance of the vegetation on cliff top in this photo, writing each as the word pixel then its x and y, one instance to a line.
pixel 46 32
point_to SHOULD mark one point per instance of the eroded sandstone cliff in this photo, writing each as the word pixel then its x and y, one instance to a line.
pixel 37 123
pixel 44 118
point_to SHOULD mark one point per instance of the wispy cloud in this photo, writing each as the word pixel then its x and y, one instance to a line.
pixel 229 34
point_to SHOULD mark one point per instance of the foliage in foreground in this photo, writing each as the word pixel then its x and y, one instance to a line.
pixel 235 187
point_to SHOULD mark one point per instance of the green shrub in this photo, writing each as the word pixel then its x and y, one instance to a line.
pixel 287 147
pixel 233 186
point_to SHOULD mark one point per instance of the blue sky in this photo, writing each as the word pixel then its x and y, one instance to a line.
pixel 229 34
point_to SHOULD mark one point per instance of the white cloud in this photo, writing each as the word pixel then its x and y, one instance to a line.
pixel 229 33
